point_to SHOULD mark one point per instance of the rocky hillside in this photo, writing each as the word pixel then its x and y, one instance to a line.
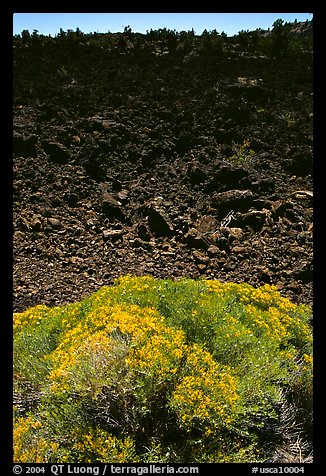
pixel 142 155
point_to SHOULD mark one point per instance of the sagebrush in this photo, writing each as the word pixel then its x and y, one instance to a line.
pixel 153 370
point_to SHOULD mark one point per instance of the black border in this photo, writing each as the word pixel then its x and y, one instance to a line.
pixel 231 6
pixel 6 234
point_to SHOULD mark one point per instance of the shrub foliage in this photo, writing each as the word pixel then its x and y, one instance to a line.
pixel 155 370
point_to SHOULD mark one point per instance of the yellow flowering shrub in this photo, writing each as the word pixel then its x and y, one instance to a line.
pixel 160 355
pixel 85 366
pixel 88 446
pixel 265 312
pixel 30 316
pixel 153 367
pixel 207 394
pixel 111 338
pixel 97 445
pixel 29 445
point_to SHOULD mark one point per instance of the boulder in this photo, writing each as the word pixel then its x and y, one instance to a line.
pixel 239 200
pixel 207 224
pixel 159 223
pixel 254 219
pixel 234 233
pixel 194 239
pixel 25 146
pixel 55 223
pixel 227 177
pixel 213 251
pixel 22 223
pixel 112 235
pixel 57 152
pixel 36 224
pixel 71 199
pixel 196 174
pixel 143 232
pixel 112 208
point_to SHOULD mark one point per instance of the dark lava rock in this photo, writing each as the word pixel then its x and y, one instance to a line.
pixel 112 235
pixel 139 177
pixel 196 174
pixel 55 223
pixel 255 219
pixel 159 223
pixel 71 199
pixel 144 232
pixel 195 239
pixel 226 178
pixel 56 152
pixel 112 208
pixel 238 200
pixel 253 93
pixel 36 224
pixel 25 146
pixel 304 272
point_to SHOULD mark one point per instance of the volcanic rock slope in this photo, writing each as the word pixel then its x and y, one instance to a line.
pixel 139 162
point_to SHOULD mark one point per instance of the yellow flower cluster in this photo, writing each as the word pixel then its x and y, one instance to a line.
pixel 160 355
pixel 92 446
pixel 86 365
pixel 64 357
pixel 271 323
pixel 308 360
pixel 266 311
pixel 233 330
pixel 207 394
pixel 32 315
pixel 134 283
pixel 98 338
pixel 139 340
pixel 130 319
pixel 264 296
pixel 216 286
pixel 29 446
pixel 277 323
pixel 100 446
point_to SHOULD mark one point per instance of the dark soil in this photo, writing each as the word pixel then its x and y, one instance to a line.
pixel 122 165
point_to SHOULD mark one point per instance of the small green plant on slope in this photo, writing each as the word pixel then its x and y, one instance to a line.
pixel 243 155
pixel 160 370
pixel 290 119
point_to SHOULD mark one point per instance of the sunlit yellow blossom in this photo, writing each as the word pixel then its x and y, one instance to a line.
pixel 205 392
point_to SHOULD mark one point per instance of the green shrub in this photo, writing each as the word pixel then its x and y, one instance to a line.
pixel 243 155
pixel 160 370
